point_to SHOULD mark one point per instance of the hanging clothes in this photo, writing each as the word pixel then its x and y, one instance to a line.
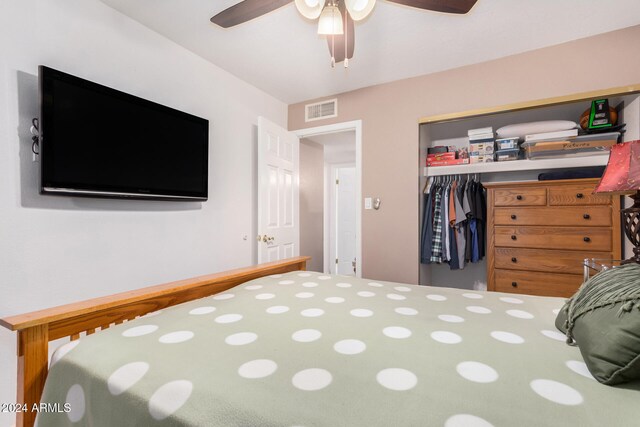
pixel 453 223
pixel 427 225
pixel 436 251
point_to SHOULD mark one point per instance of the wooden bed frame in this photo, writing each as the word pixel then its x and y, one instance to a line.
pixel 37 328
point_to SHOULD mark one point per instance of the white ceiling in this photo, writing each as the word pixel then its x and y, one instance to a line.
pixel 281 53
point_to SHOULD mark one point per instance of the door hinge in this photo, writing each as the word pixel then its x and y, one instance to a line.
pixel 337 181
pixel 336 260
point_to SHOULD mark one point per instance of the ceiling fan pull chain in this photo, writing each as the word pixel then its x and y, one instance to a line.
pixel 346 35
pixel 333 51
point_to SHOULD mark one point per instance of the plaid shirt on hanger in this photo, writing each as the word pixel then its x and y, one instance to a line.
pixel 436 251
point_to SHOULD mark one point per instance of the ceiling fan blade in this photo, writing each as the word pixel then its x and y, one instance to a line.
pixel 446 6
pixel 245 11
pixel 338 40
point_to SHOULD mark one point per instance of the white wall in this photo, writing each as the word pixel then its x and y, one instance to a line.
pixel 55 250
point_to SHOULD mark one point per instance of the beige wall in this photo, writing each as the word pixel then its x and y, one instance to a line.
pixel 390 113
pixel 312 203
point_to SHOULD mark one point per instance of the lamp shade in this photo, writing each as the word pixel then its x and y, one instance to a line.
pixel 359 9
pixel 622 174
pixel 330 21
pixel 310 9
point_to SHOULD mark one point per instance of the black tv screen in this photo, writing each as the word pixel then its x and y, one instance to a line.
pixel 100 142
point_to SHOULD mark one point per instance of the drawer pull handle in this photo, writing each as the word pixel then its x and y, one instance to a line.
pixel 514 284
pixel 587 239
pixel 586 216
pixel 514 259
pixel 519 197
pixel 579 195
pixel 514 237
pixel 513 216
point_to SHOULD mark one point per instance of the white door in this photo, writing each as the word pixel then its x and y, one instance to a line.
pixel 278 185
pixel 346 220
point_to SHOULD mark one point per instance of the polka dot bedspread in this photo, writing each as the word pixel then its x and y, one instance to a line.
pixel 306 349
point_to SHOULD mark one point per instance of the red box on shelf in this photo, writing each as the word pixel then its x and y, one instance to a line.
pixel 450 162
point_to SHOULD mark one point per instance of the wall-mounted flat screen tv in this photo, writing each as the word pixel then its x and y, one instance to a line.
pixel 100 142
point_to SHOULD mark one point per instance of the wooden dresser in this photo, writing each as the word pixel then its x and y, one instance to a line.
pixel 540 232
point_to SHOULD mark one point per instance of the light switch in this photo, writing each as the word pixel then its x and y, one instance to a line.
pixel 368 203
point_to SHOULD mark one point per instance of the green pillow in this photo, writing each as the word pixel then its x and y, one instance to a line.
pixel 603 319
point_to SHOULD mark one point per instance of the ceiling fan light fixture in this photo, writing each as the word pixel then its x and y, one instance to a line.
pixel 310 9
pixel 330 21
pixel 359 9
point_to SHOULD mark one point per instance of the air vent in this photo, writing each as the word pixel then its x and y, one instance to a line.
pixel 321 110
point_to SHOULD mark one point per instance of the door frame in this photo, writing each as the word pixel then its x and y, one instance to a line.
pixel 355 125
pixel 331 206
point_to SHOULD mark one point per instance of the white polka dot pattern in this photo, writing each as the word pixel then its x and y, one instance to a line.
pixel 312 379
pixel 511 300
pixel 554 335
pixel 169 398
pixel 556 392
pixel 446 337
pixel 202 310
pixel 277 309
pixel 361 312
pixel 397 379
pixel 76 401
pixel 229 318
pixel 477 372
pixel 258 368
pixel 176 337
pixel 139 331
pixel 312 312
pixel 406 311
pixel 466 420
pixel 330 324
pixel 580 368
pixel 398 332
pixel 241 338
pixel 507 337
pixel 366 294
pixel 349 346
pixel 126 377
pixel 305 294
pixel 306 335
pixel 520 314
pixel 451 318
pixel 478 309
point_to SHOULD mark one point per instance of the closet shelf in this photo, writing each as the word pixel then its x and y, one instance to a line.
pixel 519 165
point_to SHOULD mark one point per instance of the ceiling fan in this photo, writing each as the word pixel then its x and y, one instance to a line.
pixel 336 17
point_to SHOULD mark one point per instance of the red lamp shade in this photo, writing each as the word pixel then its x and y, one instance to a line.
pixel 622 174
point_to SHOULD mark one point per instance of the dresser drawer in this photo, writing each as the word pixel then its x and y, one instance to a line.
pixel 520 197
pixel 552 261
pixel 571 238
pixel 534 283
pixel 571 216
pixel 576 195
